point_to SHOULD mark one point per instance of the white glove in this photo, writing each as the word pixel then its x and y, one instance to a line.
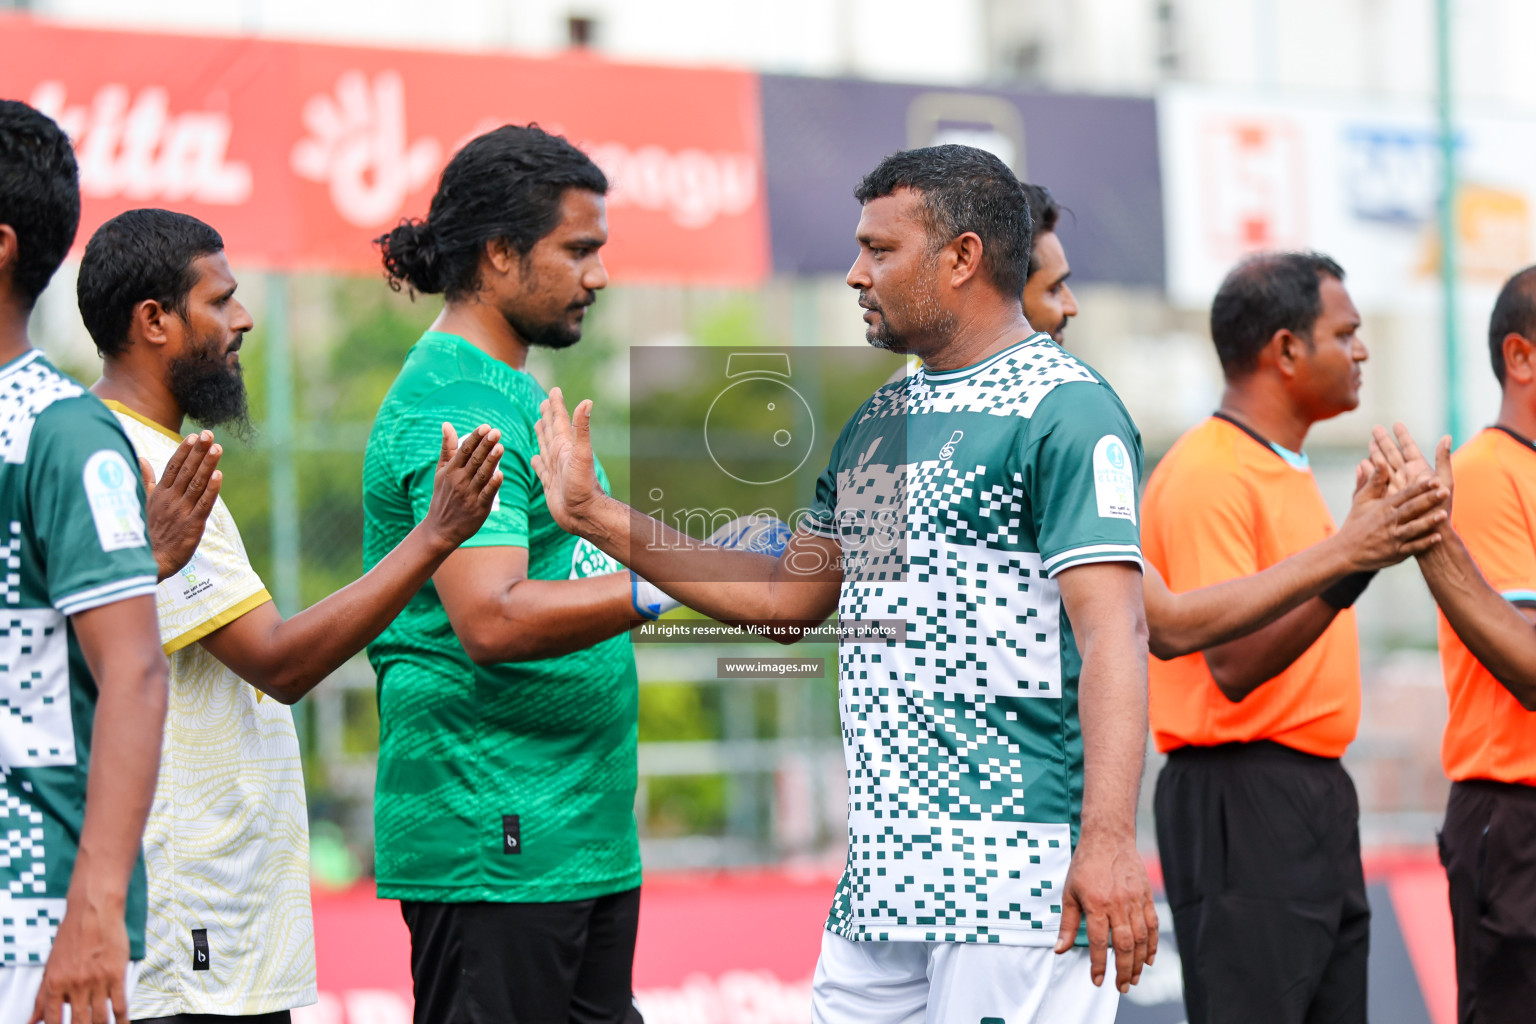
pixel 761 534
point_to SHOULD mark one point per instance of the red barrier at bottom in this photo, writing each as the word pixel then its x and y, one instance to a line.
pixel 741 948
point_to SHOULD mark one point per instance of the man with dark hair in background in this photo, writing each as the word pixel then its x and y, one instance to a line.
pixel 1257 821
pixel 1484 580
pixel 1379 531
pixel 1048 299
pixel 227 842
pixel 995 752
pixel 81 673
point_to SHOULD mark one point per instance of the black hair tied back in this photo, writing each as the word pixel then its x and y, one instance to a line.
pixel 411 257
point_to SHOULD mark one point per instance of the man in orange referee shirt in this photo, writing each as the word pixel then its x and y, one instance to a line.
pixel 1380 529
pixel 1257 821
pixel 1484 579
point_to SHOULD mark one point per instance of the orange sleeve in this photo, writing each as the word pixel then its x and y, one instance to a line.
pixel 1496 527
pixel 1204 524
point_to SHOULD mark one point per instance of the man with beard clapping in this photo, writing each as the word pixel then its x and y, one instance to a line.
pixel 227 842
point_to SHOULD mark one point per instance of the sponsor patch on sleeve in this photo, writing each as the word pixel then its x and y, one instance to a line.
pixel 111 487
pixel 1114 482
pixel 587 559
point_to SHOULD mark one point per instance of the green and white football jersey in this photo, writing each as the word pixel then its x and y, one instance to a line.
pixel 963 748
pixel 72 538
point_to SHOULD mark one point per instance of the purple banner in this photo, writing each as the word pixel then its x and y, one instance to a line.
pixel 1097 155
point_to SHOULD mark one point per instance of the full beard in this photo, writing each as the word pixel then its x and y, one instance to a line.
pixel 211 390
pixel 554 334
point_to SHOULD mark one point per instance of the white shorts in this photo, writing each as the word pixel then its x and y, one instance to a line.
pixel 956 983
pixel 18 992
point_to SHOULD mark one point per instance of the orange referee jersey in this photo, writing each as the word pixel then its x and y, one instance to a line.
pixel 1224 503
pixel 1488 735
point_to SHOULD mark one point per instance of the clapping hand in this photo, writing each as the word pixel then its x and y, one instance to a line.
pixel 177 507
pixel 465 485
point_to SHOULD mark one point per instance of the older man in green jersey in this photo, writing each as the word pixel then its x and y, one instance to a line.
pixel 995 749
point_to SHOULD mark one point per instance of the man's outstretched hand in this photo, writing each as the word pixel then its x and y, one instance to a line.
pixel 465 484
pixel 1107 886
pixel 564 464
pixel 178 506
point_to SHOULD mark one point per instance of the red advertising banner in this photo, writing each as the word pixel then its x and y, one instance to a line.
pixel 741 948
pixel 300 154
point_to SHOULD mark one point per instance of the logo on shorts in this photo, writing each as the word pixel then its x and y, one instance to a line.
pixel 948 451
pixel 511 834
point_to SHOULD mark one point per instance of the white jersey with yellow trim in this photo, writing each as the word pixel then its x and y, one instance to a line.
pixel 230 929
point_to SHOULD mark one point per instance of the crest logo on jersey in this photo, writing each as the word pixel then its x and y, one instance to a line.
pixel 1114 483
pixel 115 506
pixel 948 451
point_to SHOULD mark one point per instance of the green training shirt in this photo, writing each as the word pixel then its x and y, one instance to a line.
pixel 71 539
pixel 513 782
pixel 962 741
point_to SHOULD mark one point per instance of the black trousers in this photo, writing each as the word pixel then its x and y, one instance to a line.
pixel 524 963
pixel 1488 847
pixel 1260 846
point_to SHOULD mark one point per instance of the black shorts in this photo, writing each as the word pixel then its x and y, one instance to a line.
pixel 1488 847
pixel 524 963
pixel 1260 847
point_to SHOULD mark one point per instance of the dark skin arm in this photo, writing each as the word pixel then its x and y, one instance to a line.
pixel 1107 884
pixel 800 587
pixel 286 658
pixel 501 615
pixel 86 970
pixel 1241 666
pixel 1381 529
pixel 1498 633
pixel 177 508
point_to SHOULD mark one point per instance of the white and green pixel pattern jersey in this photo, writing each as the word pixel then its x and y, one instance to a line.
pixel 71 539
pixel 964 753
